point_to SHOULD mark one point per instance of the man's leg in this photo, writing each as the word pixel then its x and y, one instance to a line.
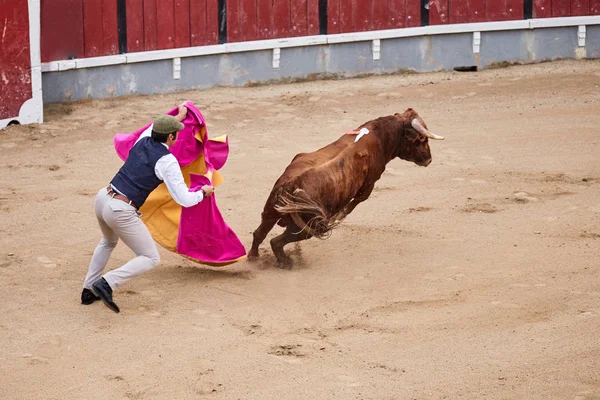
pixel 102 252
pixel 131 230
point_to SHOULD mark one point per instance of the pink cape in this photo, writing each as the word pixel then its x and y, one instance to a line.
pixel 199 233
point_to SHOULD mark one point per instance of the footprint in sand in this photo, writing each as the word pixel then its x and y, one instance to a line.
pixel 388 94
pixel 34 360
pixel 504 305
pixel 155 314
pixel 349 381
pixel 524 197
pixel 46 262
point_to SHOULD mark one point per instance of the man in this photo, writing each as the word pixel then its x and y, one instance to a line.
pixel 148 164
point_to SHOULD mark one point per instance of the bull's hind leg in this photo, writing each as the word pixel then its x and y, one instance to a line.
pixel 290 235
pixel 260 234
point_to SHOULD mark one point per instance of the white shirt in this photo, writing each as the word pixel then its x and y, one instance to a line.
pixel 167 170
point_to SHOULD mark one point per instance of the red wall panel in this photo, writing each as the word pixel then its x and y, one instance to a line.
pixel 542 8
pixel 495 10
pixel 247 19
pixel 281 18
pixel 93 43
pixel 62 29
pixel 459 11
pixel 299 18
pixel 561 8
pixel 264 19
pixel 478 10
pixel 580 7
pixel 594 7
pixel 413 13
pixel 182 25
pixel 333 16
pixel 438 12
pixel 397 11
pixel 198 20
pixel 381 15
pixel 362 16
pixel 514 9
pixel 15 61
pixel 234 30
pixel 212 22
pixel 165 24
pixel 346 22
pixel 110 34
pixel 313 17
pixel 150 27
pixel 135 25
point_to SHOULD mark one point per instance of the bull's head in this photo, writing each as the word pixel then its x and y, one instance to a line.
pixel 414 145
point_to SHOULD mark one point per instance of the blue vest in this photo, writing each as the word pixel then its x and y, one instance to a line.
pixel 136 179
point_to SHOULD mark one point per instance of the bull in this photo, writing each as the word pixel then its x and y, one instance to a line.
pixel 318 190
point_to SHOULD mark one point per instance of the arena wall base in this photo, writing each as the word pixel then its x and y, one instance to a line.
pixel 424 49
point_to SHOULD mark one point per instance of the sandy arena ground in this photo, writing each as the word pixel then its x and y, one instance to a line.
pixel 477 277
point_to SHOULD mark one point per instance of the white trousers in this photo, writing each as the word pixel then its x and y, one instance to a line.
pixel 119 220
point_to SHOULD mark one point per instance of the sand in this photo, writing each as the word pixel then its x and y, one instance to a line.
pixel 476 277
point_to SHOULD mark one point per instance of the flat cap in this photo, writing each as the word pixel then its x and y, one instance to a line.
pixel 166 124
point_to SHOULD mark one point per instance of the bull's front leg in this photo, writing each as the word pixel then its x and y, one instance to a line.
pixel 361 196
pixel 268 221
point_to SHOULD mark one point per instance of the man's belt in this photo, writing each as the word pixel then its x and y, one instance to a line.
pixel 116 195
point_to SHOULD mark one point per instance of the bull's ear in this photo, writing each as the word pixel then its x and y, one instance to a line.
pixel 410 114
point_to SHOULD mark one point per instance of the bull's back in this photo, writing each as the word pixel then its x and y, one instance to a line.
pixel 331 175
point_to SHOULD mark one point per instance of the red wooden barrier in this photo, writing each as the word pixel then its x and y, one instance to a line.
pixel 62 29
pixel 542 8
pixel 15 61
pixel 100 28
pixel 165 24
pixel 580 7
pixel 135 26
pixel 88 28
pixel 367 15
pixel 438 11
pixel 460 11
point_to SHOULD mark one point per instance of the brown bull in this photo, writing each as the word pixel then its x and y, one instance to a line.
pixel 318 190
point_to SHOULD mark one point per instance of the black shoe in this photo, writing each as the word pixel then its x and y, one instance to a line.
pixel 88 297
pixel 105 292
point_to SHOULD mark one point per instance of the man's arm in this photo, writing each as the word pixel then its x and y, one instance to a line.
pixel 182 112
pixel 167 169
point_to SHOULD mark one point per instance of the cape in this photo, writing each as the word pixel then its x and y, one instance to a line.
pixel 198 233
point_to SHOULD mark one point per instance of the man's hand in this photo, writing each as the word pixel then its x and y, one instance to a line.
pixel 182 111
pixel 208 190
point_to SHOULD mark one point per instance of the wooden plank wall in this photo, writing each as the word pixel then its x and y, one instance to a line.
pixel 15 61
pixel 565 8
pixel 89 28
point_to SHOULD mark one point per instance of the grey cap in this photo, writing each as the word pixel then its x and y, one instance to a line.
pixel 166 124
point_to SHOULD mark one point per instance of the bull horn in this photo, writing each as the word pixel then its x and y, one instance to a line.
pixel 421 129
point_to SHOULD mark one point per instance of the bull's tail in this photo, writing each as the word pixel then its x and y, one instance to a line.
pixel 308 214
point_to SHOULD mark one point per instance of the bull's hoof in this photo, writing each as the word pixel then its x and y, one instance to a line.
pixel 253 255
pixel 285 263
